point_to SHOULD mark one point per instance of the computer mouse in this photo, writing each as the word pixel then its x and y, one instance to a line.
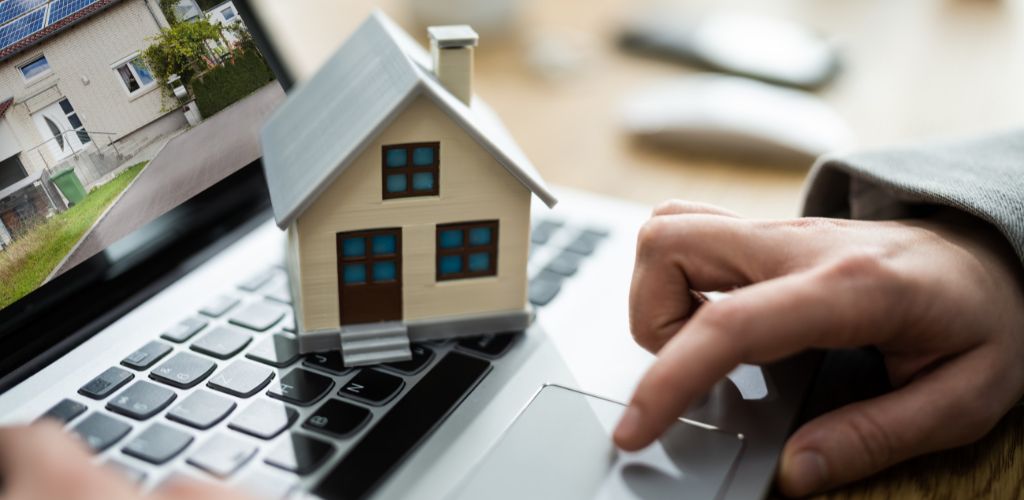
pixel 735 117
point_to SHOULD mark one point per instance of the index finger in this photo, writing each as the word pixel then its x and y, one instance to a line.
pixel 758 324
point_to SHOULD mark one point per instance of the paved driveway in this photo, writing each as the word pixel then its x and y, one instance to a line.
pixel 188 164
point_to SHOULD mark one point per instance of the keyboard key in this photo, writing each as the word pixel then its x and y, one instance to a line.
pixel 544 287
pixel 183 370
pixel 300 387
pixel 201 409
pixel 242 379
pixel 222 342
pixel 586 242
pixel 219 306
pixel 299 453
pixel 271 486
pixel 330 362
pixel 411 420
pixel 259 316
pixel 184 330
pixel 141 400
pixel 491 346
pixel 565 264
pixel 278 350
pixel 100 431
pixel 257 280
pixel 289 324
pixel 105 383
pixel 146 356
pixel 133 475
pixel 264 419
pixel 157 444
pixel 337 418
pixel 420 357
pixel 222 455
pixel 543 231
pixel 64 411
pixel 279 291
pixel 372 386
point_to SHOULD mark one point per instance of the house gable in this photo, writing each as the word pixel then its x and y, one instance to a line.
pixel 473 186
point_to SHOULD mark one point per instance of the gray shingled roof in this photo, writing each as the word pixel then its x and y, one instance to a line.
pixel 329 120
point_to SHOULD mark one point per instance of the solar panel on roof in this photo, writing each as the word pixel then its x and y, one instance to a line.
pixel 21 27
pixel 59 9
pixel 11 9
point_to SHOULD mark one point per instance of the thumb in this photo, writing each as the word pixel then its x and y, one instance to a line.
pixel 865 437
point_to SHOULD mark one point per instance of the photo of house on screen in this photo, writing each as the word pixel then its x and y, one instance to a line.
pixel 76 96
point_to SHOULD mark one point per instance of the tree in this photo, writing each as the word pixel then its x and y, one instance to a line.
pixel 183 50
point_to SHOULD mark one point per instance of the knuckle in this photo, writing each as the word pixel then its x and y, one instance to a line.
pixel 869 267
pixel 668 207
pixel 874 440
pixel 653 233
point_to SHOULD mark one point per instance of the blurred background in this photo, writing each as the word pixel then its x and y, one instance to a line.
pixel 561 77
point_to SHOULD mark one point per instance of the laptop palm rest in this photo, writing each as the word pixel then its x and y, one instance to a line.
pixel 560 447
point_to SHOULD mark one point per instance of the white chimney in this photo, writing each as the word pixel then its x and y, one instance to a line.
pixel 452 49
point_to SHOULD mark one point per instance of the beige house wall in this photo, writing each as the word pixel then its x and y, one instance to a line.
pixel 81 60
pixel 473 186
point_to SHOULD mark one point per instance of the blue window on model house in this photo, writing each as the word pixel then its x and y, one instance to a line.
pixel 467 250
pixel 411 170
pixel 369 258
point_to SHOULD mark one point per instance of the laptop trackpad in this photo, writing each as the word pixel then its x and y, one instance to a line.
pixel 560 447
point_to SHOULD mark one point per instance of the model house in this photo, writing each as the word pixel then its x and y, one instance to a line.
pixel 407 203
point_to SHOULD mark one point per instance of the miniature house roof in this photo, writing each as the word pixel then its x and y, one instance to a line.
pixel 329 120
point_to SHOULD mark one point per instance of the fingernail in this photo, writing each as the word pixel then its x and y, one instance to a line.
pixel 806 473
pixel 629 424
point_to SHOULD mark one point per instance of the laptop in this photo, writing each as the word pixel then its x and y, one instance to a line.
pixel 165 337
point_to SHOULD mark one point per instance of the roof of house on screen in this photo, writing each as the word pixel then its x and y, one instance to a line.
pixel 25 23
pixel 329 120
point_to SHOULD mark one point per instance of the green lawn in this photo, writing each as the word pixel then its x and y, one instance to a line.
pixel 25 264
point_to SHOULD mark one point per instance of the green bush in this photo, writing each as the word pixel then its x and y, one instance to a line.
pixel 219 87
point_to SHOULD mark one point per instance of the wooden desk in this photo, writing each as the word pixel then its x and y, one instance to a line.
pixel 914 70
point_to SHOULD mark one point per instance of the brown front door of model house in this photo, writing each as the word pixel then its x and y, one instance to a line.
pixel 370 276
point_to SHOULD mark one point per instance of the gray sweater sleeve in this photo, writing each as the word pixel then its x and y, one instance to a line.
pixel 983 177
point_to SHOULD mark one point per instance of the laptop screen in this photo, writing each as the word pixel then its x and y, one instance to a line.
pixel 125 130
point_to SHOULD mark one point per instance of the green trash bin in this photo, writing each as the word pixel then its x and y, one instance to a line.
pixel 70 186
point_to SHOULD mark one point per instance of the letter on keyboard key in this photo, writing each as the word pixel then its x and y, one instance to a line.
pixel 100 431
pixel 264 419
pixel 64 411
pixel 222 455
pixel 222 342
pixel 141 400
pixel 158 444
pixel 146 355
pixel 337 418
pixel 372 386
pixel 105 383
pixel 420 357
pixel 299 453
pixel 300 387
pixel 242 379
pixel 330 362
pixel 201 409
pixel 183 370
pixel 491 346
pixel 278 350
pixel 258 316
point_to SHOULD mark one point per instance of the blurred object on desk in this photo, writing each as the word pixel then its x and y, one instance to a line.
pixel 729 117
pixel 490 17
pixel 771 49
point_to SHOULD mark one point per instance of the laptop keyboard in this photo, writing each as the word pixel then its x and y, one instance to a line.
pixel 223 383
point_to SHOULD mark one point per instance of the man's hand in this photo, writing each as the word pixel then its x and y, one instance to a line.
pixel 942 298
pixel 42 462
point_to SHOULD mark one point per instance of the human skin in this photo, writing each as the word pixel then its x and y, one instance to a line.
pixel 942 298
pixel 43 462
